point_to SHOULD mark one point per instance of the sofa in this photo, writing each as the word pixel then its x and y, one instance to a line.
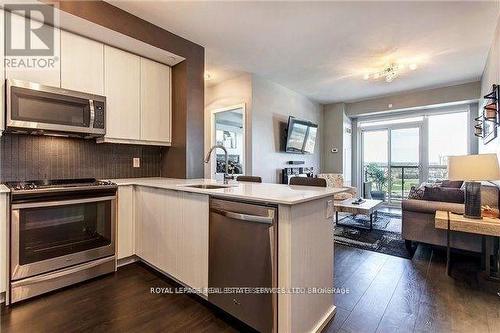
pixel 337 180
pixel 418 221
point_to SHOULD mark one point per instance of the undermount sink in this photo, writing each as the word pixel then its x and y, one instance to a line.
pixel 208 186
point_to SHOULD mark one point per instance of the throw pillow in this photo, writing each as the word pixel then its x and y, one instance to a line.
pixel 444 194
pixel 452 183
pixel 416 193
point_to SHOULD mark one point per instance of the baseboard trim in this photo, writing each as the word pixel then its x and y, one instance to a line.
pixel 127 261
pixel 325 320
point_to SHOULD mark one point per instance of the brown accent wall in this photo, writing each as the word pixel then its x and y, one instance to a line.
pixel 26 157
pixel 185 158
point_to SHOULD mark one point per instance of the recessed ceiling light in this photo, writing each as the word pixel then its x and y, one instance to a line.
pixel 413 66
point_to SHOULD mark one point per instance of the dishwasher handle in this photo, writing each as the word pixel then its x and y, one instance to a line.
pixel 246 217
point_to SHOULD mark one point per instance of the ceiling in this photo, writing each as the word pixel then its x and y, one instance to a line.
pixel 323 49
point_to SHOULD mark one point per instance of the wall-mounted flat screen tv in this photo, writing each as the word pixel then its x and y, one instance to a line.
pixel 301 136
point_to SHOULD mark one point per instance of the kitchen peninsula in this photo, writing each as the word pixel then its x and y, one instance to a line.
pixel 165 222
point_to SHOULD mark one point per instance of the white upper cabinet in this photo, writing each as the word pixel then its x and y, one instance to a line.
pixel 137 90
pixel 82 64
pixel 122 80
pixel 155 102
pixel 46 70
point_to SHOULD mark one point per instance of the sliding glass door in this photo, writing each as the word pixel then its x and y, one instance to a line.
pixel 405 162
pixel 376 164
pixel 391 161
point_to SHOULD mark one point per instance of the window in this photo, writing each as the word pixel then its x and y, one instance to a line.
pixel 399 153
pixel 447 137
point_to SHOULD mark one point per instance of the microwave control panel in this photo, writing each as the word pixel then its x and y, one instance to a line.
pixel 99 114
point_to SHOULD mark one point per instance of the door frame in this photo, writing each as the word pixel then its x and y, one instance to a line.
pixel 213 112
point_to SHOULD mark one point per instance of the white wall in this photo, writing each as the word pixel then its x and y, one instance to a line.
pixel 228 93
pixel 267 105
pixel 455 94
pixel 491 75
pixel 271 105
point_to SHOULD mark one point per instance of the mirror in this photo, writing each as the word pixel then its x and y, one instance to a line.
pixel 229 130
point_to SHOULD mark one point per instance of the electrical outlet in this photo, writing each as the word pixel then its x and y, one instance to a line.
pixel 329 209
pixel 136 162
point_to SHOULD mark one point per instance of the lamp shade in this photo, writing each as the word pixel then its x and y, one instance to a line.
pixel 473 167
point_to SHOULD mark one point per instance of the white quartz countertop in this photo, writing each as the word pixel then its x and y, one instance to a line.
pixel 261 192
pixel 4 189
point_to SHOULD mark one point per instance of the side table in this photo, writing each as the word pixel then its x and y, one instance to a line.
pixel 487 227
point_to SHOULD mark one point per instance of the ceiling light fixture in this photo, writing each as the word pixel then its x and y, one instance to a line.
pixel 207 76
pixel 390 72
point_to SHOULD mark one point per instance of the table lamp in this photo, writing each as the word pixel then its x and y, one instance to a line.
pixel 472 169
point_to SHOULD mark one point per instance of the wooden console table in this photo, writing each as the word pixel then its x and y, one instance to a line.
pixel 486 227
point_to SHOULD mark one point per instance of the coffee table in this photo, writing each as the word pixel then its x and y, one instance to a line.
pixel 369 207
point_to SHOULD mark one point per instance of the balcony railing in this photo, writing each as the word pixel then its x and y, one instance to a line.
pixel 395 187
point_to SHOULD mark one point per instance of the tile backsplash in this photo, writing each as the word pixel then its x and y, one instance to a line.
pixel 25 157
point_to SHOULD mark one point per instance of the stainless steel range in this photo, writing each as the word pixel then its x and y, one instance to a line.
pixel 61 232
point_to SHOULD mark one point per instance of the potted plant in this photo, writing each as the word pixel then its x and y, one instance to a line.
pixel 377 175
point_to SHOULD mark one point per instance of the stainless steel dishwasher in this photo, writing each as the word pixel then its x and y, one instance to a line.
pixel 242 254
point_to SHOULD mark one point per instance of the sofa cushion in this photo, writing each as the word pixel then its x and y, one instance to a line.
pixel 444 194
pixel 452 183
pixel 430 207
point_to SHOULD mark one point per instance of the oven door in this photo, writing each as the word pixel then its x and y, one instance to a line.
pixel 34 107
pixel 46 236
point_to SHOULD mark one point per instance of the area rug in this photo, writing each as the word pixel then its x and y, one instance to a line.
pixel 383 238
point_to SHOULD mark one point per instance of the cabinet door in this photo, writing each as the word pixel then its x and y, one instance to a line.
pixel 193 240
pixel 125 222
pixel 122 86
pixel 169 244
pixel 155 101
pixel 148 224
pixel 2 72
pixel 82 64
pixel 3 242
pixel 48 69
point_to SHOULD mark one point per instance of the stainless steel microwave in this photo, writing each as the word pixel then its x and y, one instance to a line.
pixel 37 109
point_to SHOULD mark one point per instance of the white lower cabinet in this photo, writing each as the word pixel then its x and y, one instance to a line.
pixel 192 238
pixel 126 225
pixel 171 233
pixel 3 242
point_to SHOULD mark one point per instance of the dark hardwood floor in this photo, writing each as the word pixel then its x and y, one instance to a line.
pixel 386 294
pixel 120 302
pixel 392 294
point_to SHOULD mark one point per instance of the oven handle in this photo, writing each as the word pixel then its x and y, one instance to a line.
pixel 61 202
